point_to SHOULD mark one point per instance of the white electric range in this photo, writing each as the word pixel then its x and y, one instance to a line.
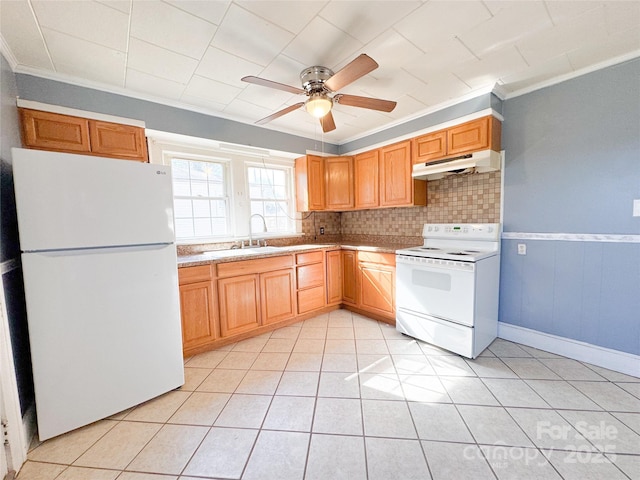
pixel 447 288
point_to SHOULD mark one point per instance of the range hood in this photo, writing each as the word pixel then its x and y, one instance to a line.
pixel 479 162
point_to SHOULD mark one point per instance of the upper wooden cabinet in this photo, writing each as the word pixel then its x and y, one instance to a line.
pixel 339 183
pixel 117 141
pixel 65 133
pixel 397 186
pixel 481 134
pixel 367 179
pixel 309 172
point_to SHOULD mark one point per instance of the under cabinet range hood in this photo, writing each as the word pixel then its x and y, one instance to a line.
pixel 478 162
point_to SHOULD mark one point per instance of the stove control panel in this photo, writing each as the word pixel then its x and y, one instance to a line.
pixel 467 231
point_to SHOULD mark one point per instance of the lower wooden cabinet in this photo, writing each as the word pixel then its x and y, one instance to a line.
pixel 198 306
pixel 349 288
pixel 228 301
pixel 334 277
pixel 376 283
pixel 254 293
pixel 277 294
pixel 310 275
pixel 239 304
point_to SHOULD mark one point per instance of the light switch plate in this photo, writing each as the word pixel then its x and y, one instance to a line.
pixel 636 207
pixel 522 249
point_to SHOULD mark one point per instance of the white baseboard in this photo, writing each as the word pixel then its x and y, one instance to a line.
pixel 622 362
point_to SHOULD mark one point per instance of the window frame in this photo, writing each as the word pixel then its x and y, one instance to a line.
pixel 163 147
pixel 290 186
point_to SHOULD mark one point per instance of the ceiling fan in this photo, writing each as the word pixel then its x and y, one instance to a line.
pixel 320 85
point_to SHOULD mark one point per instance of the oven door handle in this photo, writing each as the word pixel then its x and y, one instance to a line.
pixel 435 318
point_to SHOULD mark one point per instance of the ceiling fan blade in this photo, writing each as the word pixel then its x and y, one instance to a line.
pixel 351 72
pixel 365 102
pixel 271 84
pixel 327 122
pixel 280 113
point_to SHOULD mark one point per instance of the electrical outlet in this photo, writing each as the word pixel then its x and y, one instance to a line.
pixel 321 230
pixel 522 249
pixel 636 207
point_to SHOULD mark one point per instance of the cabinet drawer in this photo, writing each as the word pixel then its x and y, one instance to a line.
pixel 311 275
pixel 194 274
pixel 375 257
pixel 309 257
pixel 259 265
pixel 310 299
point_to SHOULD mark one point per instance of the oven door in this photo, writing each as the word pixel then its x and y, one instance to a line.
pixel 442 289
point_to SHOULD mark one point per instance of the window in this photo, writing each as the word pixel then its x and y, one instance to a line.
pixel 200 199
pixel 270 196
pixel 217 191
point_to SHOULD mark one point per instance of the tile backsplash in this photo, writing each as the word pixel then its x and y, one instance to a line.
pixel 470 198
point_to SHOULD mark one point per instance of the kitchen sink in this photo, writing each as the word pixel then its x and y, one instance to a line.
pixel 241 252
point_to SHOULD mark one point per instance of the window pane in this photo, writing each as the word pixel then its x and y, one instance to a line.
pixel 201 208
pixel 199 198
pixel 184 228
pixel 279 192
pixel 279 177
pixel 182 208
pixel 257 207
pixel 202 227
pixel 179 168
pixel 199 188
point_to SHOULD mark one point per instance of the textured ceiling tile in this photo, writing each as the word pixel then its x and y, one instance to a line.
pixel 441 88
pixel 435 22
pixel 564 37
pixel 365 21
pixel 508 25
pixel 484 73
pixel 168 27
pixel 234 67
pixel 211 90
pixel 20 32
pixel 446 56
pixel 392 50
pixel 625 42
pixel 321 43
pixel 90 21
pixel 298 14
pixel 150 85
pixel 211 11
pixel 542 72
pixel 80 58
pixel 159 62
pixel 248 36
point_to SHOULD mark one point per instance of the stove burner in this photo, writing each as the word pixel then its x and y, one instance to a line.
pixel 430 248
pixel 459 253
pixel 472 251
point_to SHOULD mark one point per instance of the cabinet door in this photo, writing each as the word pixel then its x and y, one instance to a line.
pixel 339 183
pixel 396 183
pixel 277 296
pixel 239 299
pixel 432 146
pixel 52 131
pixel 334 277
pixel 469 137
pixel 309 171
pixel 349 288
pixel 377 284
pixel 198 313
pixel 367 183
pixel 120 141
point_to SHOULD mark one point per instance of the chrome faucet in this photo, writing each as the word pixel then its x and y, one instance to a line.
pixel 264 226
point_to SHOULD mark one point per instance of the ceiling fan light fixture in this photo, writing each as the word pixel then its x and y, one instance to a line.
pixel 318 105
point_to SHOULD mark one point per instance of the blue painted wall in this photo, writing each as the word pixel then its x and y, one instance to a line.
pixel 573 166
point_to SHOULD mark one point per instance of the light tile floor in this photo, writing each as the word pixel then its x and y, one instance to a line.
pixel 341 396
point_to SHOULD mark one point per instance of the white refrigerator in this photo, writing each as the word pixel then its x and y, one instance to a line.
pixel 101 284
